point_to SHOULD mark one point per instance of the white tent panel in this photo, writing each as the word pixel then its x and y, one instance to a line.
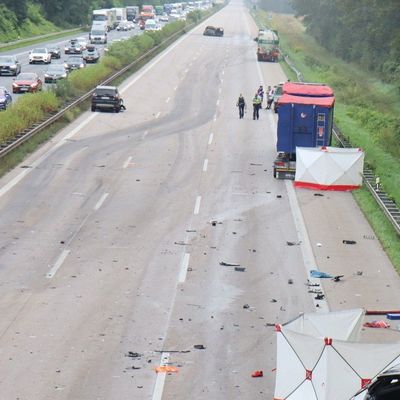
pixel 369 359
pixel 329 168
pixel 305 391
pixel 342 325
pixel 290 370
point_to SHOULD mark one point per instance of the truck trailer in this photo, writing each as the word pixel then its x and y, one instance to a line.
pixel 268 42
pixel 305 120
pixel 132 12
pixel 106 15
pixel 120 13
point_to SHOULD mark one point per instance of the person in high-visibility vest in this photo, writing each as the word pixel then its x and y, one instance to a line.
pixel 256 106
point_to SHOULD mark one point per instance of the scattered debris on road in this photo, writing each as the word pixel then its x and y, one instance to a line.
pixel 345 241
pixel 181 243
pixel 166 369
pixel 376 324
pixel 246 306
pixel 337 278
pixel 290 281
pixel 273 301
pixel 319 274
pixel 240 269
pixel 294 243
pixel 133 354
pixel 318 195
pixel 257 374
pixel 319 296
pixel 228 264
pixel 199 347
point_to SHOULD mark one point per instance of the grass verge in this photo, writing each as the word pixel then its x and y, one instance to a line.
pixel 366 111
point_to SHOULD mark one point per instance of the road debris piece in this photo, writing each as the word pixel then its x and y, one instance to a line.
pixel 319 296
pixel 319 274
pixel 228 264
pixel 337 278
pixel 258 164
pixel 214 222
pixel 318 195
pixel 190 230
pixel 278 196
pixel 240 269
pixel 273 301
pixel 199 347
pixel 359 273
pixel 294 243
pixel 311 284
pixel 257 374
pixel 166 369
pixel 133 354
pixel 290 281
pixel 349 241
pixel 246 306
pixel 181 243
pixel 376 324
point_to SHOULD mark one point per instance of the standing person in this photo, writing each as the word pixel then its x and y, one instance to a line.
pixel 242 105
pixel 270 98
pixel 260 93
pixel 256 106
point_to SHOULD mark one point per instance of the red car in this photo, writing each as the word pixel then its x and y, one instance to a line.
pixel 141 24
pixel 27 82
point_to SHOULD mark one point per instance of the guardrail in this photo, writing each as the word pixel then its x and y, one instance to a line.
pixel 371 181
pixel 46 36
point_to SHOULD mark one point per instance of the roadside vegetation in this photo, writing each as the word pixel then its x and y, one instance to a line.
pixel 366 111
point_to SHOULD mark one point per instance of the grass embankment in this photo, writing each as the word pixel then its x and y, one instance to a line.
pixel 366 111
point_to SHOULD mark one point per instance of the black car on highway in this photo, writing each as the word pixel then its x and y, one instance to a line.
pixel 213 31
pixel 5 98
pixel 74 62
pixel 9 65
pixel 106 98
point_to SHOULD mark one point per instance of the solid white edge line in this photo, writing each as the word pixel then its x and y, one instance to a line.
pixel 205 165
pixel 197 205
pixel 160 380
pixel 158 114
pixel 168 99
pixel 302 235
pixel 101 201
pixel 184 268
pixel 210 139
pixel 217 102
pixel 127 162
pixel 58 264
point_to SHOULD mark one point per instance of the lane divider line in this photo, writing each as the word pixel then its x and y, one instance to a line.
pixel 217 102
pixel 210 139
pixel 168 99
pixel 205 165
pixel 58 264
pixel 158 114
pixel 160 380
pixel 184 268
pixel 101 201
pixel 176 87
pixel 197 205
pixel 127 162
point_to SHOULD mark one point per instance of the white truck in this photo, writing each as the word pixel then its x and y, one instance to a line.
pixel 98 32
pixel 109 16
pixel 120 13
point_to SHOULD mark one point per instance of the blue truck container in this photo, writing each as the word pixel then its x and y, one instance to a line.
pixel 304 121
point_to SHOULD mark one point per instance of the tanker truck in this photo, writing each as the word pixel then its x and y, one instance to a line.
pixel 268 42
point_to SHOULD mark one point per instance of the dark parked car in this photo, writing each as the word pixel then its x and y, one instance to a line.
pixel 91 54
pixel 74 62
pixel 27 82
pixel 55 52
pixel 54 73
pixel 107 98
pixel 73 47
pixel 9 65
pixel 213 31
pixel 385 387
pixel 5 98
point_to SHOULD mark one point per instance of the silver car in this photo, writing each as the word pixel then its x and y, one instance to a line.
pixel 9 65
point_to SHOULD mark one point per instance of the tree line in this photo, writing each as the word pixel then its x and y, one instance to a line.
pixel 363 31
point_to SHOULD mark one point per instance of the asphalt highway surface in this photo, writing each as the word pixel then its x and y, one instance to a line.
pixel 158 237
